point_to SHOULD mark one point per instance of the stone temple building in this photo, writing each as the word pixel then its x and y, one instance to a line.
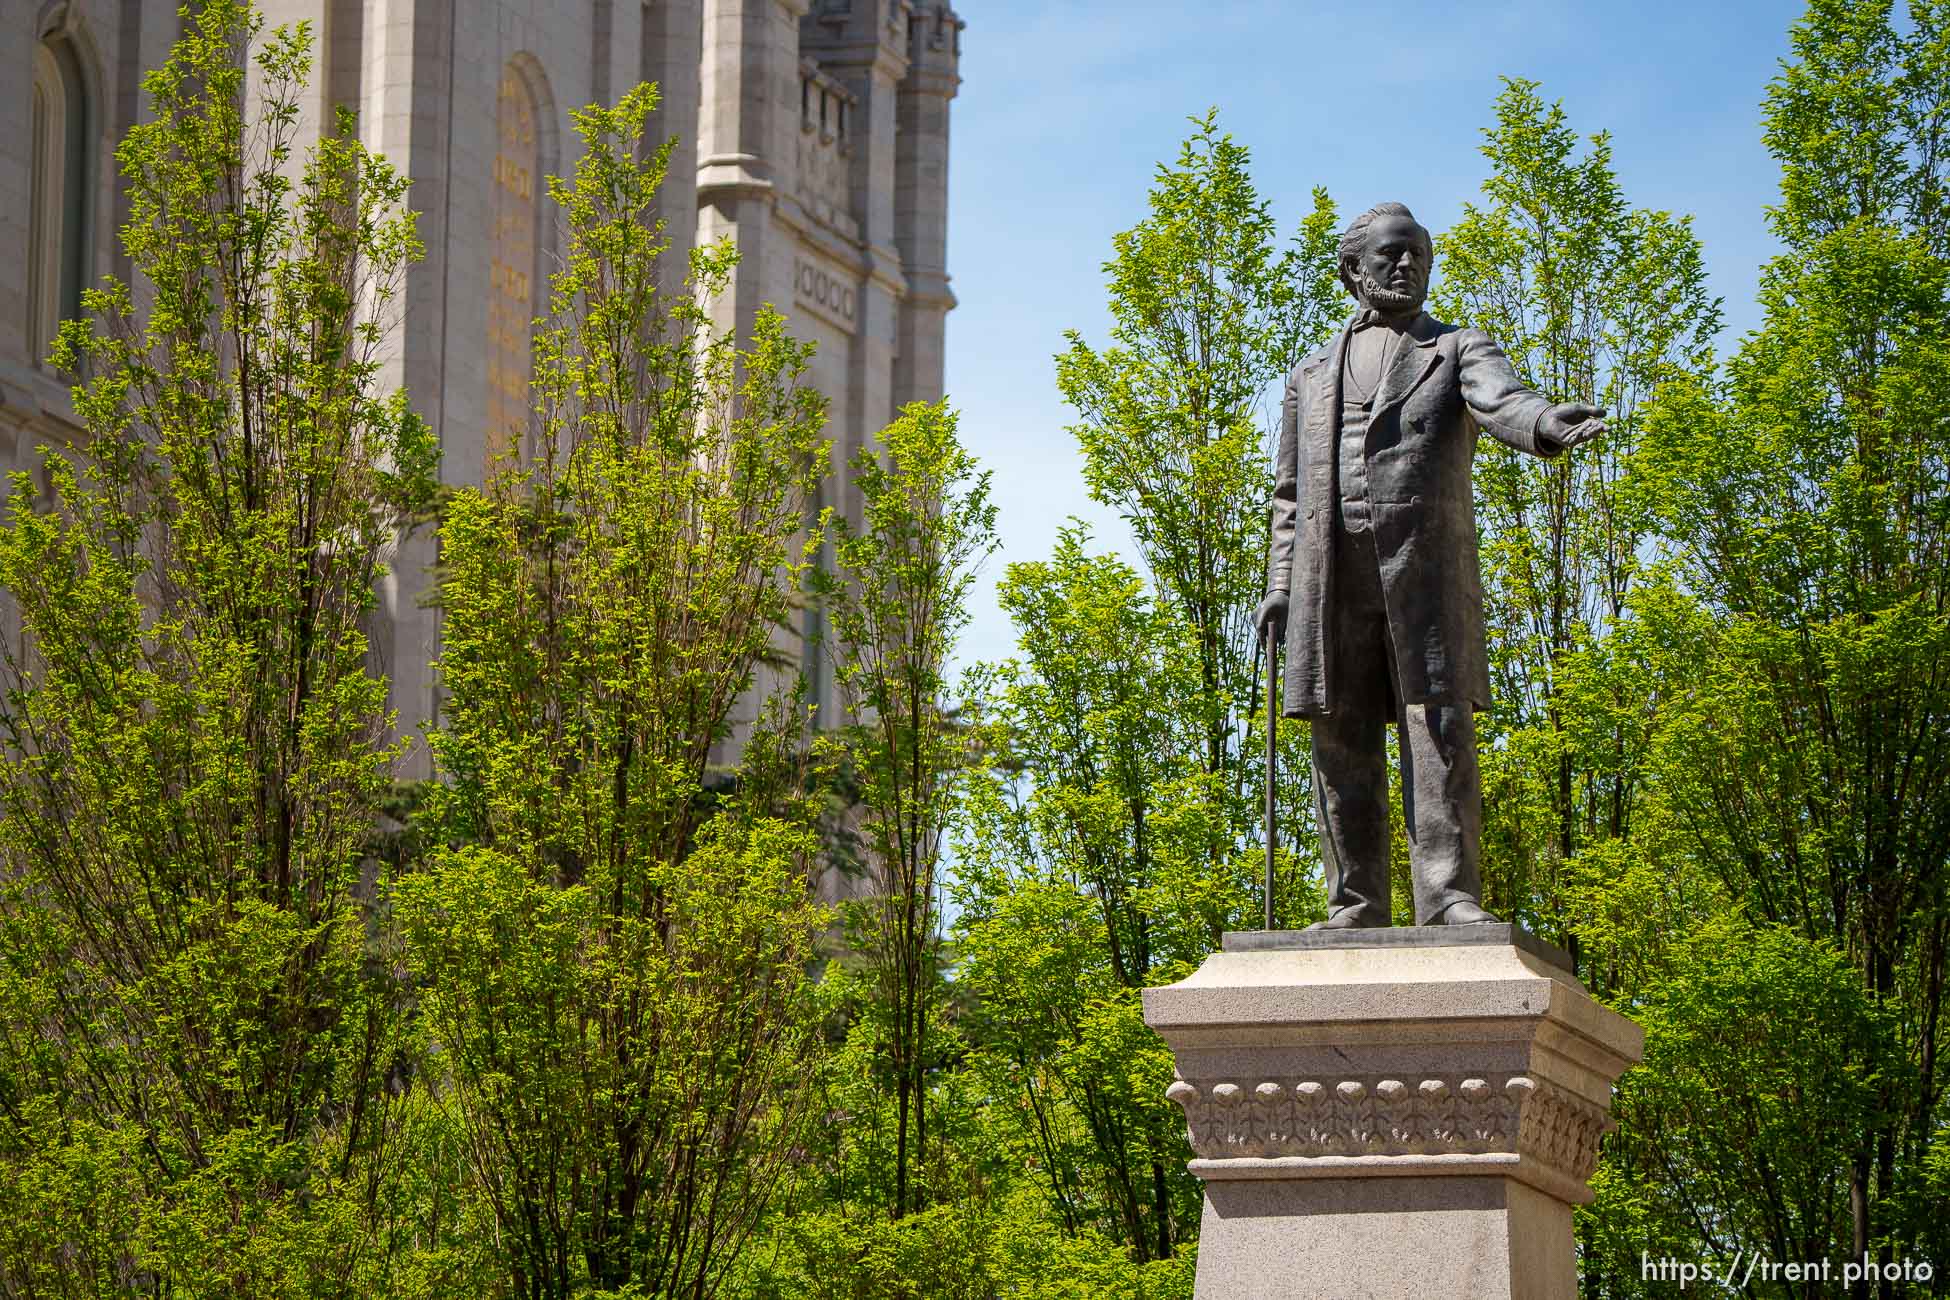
pixel 813 134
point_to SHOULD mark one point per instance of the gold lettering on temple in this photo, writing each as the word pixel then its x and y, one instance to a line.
pixel 511 263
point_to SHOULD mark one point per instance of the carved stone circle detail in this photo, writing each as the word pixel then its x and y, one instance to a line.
pixel 1512 1114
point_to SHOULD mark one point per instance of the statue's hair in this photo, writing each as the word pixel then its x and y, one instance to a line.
pixel 1354 240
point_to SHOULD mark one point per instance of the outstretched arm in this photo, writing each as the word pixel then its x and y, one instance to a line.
pixel 1512 413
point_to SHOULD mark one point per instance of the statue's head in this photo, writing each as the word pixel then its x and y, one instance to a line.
pixel 1386 255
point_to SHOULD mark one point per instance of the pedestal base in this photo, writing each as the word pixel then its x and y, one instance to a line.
pixel 1397 1115
pixel 1381 1239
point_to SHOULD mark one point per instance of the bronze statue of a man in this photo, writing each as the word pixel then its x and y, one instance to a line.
pixel 1372 574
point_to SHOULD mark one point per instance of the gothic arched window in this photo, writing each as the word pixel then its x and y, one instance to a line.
pixel 57 227
pixel 512 261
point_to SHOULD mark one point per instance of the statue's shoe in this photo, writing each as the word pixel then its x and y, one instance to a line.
pixel 1351 918
pixel 1463 912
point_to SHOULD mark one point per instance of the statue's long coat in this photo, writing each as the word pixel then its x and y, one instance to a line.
pixel 1443 385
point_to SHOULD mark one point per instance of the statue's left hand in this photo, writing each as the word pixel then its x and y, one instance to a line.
pixel 1571 423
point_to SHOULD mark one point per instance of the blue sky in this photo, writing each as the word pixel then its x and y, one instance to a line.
pixel 1066 108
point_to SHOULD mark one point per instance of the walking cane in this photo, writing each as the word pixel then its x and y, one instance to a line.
pixel 1272 730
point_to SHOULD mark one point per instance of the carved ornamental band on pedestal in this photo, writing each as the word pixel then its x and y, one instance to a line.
pixel 1509 1121
pixel 1392 1117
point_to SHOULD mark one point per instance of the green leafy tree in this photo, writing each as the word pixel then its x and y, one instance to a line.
pixel 613 949
pixel 1594 301
pixel 1173 418
pixel 1753 1034
pixel 895 599
pixel 196 1035
pixel 1123 814
pixel 1084 879
pixel 1803 504
pixel 978 1247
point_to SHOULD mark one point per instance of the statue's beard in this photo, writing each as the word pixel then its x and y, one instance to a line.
pixel 1389 301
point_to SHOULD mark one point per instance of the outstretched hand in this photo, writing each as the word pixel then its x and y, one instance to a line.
pixel 1571 423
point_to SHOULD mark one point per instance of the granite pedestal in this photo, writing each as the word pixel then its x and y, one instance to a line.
pixel 1391 1114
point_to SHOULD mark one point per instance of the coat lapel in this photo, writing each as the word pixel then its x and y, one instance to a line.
pixel 1324 397
pixel 1307 655
pixel 1415 360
